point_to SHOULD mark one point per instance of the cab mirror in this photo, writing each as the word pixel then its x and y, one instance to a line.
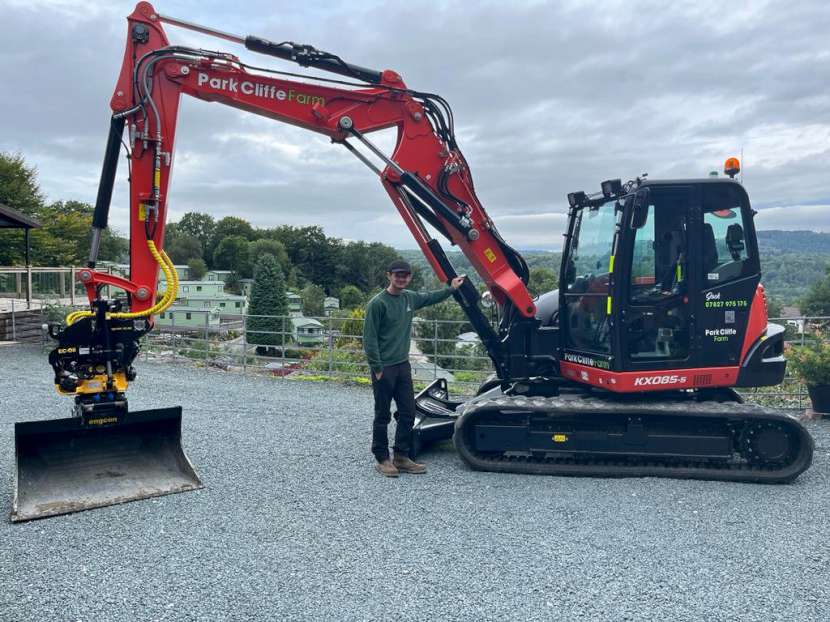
pixel 639 211
pixel 570 272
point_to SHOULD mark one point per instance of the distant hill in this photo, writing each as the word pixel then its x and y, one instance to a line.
pixel 791 261
pixel 534 259
pixel 774 241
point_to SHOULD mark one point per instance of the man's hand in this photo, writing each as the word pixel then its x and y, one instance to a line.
pixel 457 281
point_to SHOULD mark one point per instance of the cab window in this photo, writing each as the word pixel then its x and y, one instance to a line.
pixel 656 322
pixel 725 249
pixel 658 264
pixel 587 278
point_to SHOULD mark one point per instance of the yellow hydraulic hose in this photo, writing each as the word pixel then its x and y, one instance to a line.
pixel 169 294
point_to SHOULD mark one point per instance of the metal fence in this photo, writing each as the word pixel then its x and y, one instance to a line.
pixel 437 352
pixel 333 349
pixel 37 287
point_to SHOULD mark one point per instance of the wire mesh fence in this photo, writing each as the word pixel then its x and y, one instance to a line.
pixel 331 348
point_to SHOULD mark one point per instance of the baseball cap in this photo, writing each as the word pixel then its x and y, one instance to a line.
pixel 399 265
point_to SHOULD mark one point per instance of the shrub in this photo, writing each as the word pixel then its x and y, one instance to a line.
pixel 811 363
pixel 342 362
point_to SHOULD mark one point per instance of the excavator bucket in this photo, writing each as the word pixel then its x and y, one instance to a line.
pixel 64 466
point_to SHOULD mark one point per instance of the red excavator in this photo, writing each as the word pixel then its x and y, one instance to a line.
pixel 628 369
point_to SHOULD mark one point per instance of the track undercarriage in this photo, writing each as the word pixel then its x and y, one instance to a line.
pixel 606 435
pixel 591 433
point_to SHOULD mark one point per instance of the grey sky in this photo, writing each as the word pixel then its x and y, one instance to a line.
pixel 548 97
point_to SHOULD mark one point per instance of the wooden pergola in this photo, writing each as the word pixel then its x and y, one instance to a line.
pixel 12 219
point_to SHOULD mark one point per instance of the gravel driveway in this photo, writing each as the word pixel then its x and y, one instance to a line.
pixel 294 524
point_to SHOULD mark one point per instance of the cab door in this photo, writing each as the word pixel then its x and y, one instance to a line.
pixel 730 272
pixel 656 321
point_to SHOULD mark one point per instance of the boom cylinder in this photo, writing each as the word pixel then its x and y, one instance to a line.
pixel 306 56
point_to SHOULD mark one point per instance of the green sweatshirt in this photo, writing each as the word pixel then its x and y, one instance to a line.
pixel 388 324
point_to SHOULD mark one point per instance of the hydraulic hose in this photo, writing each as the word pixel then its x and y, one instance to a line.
pixel 166 301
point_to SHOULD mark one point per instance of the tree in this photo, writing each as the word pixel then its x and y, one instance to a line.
pixel 364 265
pixel 817 300
pixel 316 257
pixel 18 185
pixel 351 297
pixel 183 247
pixel 197 268
pixel 542 280
pixel 227 227
pixel 113 247
pixel 313 298
pixel 233 285
pixel 200 226
pixel 18 190
pixel 232 254
pixel 274 247
pixel 63 238
pixel 267 299
pixel 775 308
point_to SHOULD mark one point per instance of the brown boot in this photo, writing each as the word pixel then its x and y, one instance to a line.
pixel 405 465
pixel 386 468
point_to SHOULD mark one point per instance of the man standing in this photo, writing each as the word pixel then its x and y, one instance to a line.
pixel 386 334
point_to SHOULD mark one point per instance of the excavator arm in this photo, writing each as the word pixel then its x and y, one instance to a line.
pixel 426 176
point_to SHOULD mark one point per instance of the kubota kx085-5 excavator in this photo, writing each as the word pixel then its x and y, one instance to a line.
pixel 627 369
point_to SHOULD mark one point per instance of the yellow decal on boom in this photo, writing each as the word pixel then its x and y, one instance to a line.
pixel 608 306
pixel 560 438
pixel 611 264
pixel 142 212
pixel 488 252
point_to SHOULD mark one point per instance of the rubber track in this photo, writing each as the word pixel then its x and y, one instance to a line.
pixel 505 408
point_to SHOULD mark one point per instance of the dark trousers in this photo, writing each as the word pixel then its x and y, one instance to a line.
pixel 395 383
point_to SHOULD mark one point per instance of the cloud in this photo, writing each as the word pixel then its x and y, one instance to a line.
pixel 549 97
pixel 795 218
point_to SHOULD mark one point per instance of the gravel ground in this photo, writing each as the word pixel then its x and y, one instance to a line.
pixel 294 524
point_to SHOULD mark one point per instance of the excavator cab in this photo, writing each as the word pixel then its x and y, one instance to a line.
pixel 664 279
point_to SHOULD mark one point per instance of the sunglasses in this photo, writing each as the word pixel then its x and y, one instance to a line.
pixel 402 275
